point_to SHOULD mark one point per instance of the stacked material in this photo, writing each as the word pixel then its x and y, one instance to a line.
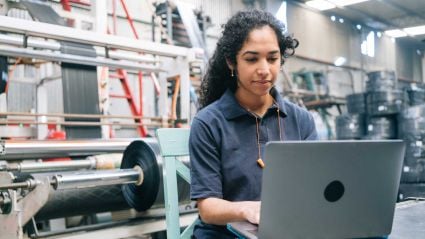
pixel 356 103
pixel 412 130
pixel 415 94
pixel 381 128
pixel 350 126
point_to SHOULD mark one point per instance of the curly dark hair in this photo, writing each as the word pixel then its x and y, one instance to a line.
pixel 218 77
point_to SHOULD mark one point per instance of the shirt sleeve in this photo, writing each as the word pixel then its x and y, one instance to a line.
pixel 206 177
pixel 309 132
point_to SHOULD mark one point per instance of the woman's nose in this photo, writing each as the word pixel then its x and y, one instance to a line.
pixel 263 69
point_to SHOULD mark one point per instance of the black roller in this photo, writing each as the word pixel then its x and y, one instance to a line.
pixel 356 103
pixel 413 170
pixel 350 126
pixel 416 97
pixel 381 128
pixel 82 201
pixel 381 81
pixel 415 94
pixel 412 123
pixel 384 102
pixel 415 148
pixel 141 197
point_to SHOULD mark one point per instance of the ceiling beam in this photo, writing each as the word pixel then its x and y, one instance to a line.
pixel 360 13
pixel 348 8
pixel 404 9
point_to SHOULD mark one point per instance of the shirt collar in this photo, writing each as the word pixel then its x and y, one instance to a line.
pixel 232 109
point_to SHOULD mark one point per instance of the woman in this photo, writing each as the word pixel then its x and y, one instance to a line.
pixel 240 112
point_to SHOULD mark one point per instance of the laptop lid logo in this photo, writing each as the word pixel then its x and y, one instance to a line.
pixel 334 191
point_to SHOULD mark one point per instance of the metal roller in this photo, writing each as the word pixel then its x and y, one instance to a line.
pixel 102 161
pixel 350 126
pixel 35 149
pixel 88 179
pixel 381 81
pixel 384 102
pixel 356 103
pixel 381 128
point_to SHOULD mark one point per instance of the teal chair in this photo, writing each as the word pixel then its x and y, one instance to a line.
pixel 173 143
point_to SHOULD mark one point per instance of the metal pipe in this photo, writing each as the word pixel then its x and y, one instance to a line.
pixel 92 61
pixel 55 46
pixel 76 123
pixel 28 184
pixel 103 161
pixel 52 166
pixel 98 178
pixel 34 149
pixel 44 30
pixel 88 116
pixel 19 41
pixel 85 179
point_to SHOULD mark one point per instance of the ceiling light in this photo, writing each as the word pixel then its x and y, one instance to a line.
pixel 419 30
pixel 363 48
pixel 333 18
pixel 370 44
pixel 281 15
pixel 339 61
pixel 320 4
pixel 379 34
pixel 396 33
pixel 359 27
pixel 341 20
pixel 346 2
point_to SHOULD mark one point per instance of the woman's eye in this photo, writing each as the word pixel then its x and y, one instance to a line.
pixel 273 59
pixel 251 59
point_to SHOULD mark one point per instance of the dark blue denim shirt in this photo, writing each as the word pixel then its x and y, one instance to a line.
pixel 224 151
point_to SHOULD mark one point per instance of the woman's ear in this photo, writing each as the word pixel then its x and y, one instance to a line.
pixel 230 65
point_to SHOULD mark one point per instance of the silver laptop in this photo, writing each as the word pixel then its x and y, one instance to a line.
pixel 327 189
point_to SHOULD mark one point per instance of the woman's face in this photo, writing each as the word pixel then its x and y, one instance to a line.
pixel 258 62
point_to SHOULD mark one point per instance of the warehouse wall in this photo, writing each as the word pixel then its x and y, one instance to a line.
pixel 409 61
pixel 323 40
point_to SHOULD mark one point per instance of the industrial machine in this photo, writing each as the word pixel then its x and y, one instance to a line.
pixel 32 193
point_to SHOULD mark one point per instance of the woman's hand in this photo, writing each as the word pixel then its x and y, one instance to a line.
pixel 252 211
pixel 220 212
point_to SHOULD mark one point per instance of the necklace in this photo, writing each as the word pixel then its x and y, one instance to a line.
pixel 260 161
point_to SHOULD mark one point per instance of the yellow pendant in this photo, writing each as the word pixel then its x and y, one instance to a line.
pixel 261 163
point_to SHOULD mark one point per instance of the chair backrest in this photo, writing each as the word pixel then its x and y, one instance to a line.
pixel 174 142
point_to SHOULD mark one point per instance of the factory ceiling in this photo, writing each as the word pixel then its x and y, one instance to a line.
pixel 406 17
